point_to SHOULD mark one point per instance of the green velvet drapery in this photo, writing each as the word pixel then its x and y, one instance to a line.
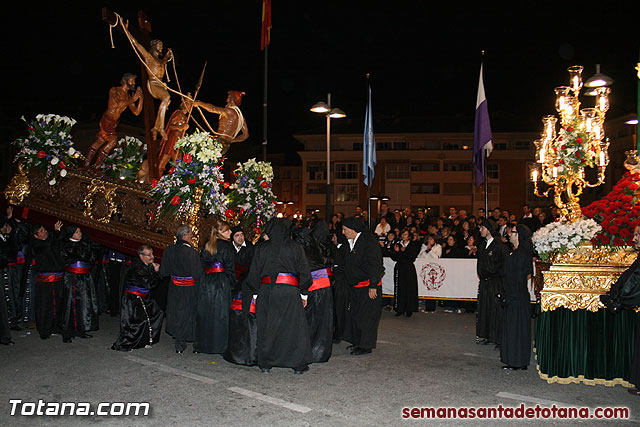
pixel 583 346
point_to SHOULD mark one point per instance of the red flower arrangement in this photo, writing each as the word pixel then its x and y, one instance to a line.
pixel 618 213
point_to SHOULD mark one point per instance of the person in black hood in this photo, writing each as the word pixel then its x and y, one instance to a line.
pixel 280 276
pixel 182 262
pixel 515 351
pixel 364 270
pixel 492 254
pixel 320 254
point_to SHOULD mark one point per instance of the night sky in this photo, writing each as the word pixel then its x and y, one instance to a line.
pixel 423 59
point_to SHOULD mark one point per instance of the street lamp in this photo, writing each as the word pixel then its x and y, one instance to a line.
pixel 379 199
pixel 330 113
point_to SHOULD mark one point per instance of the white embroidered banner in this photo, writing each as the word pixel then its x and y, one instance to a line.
pixel 441 278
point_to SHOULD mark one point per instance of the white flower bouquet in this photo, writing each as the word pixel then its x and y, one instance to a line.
pixel 48 146
pixel 559 237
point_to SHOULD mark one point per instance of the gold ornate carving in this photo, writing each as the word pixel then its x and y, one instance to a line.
pixel 587 255
pixel 122 208
pixel 18 188
pixel 192 216
pixel 99 202
pixel 578 277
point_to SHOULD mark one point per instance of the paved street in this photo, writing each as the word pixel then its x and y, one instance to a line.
pixel 427 360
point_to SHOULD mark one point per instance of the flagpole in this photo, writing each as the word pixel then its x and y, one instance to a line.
pixel 367 166
pixel 486 185
pixel 264 103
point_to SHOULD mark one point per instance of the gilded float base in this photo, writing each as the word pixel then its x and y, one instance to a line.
pixel 577 278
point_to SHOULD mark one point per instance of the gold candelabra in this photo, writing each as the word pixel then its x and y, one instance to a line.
pixel 563 156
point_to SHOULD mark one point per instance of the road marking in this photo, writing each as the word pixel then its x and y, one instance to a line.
pixel 207 380
pixel 478 355
pixel 171 370
pixel 269 399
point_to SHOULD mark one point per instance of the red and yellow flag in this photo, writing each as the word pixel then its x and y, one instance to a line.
pixel 265 39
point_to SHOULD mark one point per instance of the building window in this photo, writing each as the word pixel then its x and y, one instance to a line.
pixel 397 171
pixel 455 188
pixel 457 167
pixel 357 146
pixel 427 188
pixel 500 146
pixel 425 167
pixel 384 146
pixel 317 171
pixel 316 188
pixel 346 171
pixel 521 145
pixel 493 171
pixel 400 145
pixel 346 192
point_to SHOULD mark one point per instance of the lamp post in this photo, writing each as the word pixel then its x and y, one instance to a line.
pixel 379 199
pixel 330 113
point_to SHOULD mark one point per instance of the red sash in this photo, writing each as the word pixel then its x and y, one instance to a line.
pixel 78 267
pixel 365 284
pixel 49 277
pixel 183 281
pixel 320 279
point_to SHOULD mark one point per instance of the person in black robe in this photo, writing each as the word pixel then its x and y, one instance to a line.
pixel 79 301
pixel 515 351
pixel 140 318
pixel 9 288
pixel 6 249
pixel 214 292
pixel 319 309
pixel 364 269
pixel 44 249
pixel 405 279
pixel 280 276
pixel 340 287
pixel 492 254
pixel 243 329
pixel 182 262
pixel 625 293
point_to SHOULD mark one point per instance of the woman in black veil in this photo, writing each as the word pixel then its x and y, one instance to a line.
pixel 515 351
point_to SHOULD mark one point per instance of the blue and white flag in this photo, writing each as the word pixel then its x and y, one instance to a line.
pixel 481 133
pixel 368 146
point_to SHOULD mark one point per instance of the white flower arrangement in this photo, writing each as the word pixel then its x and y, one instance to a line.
pixel 48 146
pixel 251 195
pixel 201 146
pixel 198 166
pixel 558 237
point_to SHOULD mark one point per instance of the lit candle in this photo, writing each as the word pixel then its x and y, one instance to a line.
pixel 602 158
pixel 555 171
pixel 535 175
pixel 542 150
pixel 575 82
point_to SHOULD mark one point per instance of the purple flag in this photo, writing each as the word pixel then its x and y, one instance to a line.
pixel 481 133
